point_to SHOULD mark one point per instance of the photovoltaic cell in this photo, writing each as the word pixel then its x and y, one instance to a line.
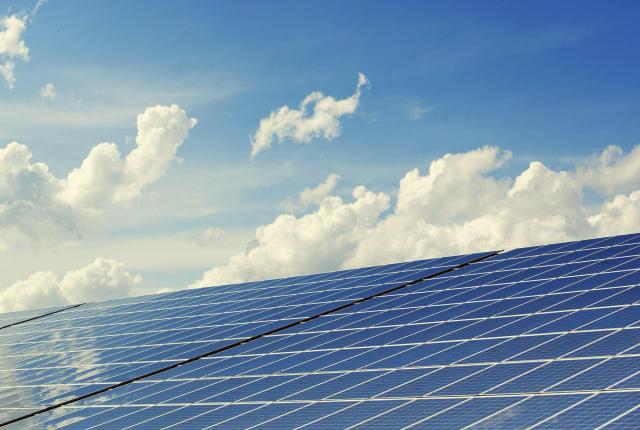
pixel 537 337
pixel 10 319
pixel 79 351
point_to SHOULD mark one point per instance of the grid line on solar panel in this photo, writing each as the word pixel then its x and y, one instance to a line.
pixel 620 417
pixel 137 418
pixel 614 308
pixel 358 400
pixel 350 302
pixel 14 318
pixel 384 369
pixel 265 321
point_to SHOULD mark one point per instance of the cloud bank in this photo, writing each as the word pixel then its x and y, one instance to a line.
pixel 459 205
pixel 36 206
pixel 103 279
pixel 319 239
pixel 12 47
pixel 317 116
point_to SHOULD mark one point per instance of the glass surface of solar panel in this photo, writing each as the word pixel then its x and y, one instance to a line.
pixel 542 337
pixel 85 349
pixel 10 319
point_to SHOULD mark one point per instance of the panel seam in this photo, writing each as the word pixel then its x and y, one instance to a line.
pixel 244 341
pixel 40 316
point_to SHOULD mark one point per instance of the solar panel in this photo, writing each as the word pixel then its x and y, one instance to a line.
pixel 89 348
pixel 542 337
pixel 10 319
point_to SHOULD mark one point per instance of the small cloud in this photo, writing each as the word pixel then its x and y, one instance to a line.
pixel 48 91
pixel 211 236
pixel 612 171
pixel 312 196
pixel 415 110
pixel 7 70
pixel 300 125
pixel 12 46
pixel 36 8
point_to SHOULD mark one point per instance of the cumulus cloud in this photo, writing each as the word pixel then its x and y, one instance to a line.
pixel 316 195
pixel 12 46
pixel 612 171
pixel 35 204
pixel 317 116
pixel 48 91
pixel 459 205
pixel 304 244
pixel 539 206
pixel 312 196
pixel 105 176
pixel 103 279
pixel 7 70
pixel 618 216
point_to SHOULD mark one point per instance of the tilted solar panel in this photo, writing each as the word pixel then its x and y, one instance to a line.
pixel 542 337
pixel 10 319
pixel 80 351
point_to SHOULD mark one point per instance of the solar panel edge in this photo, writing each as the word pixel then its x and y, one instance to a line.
pixel 57 311
pixel 478 258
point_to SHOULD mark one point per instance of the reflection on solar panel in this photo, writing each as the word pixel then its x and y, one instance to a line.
pixel 542 337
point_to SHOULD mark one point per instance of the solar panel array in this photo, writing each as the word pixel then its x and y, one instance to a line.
pixel 62 356
pixel 538 337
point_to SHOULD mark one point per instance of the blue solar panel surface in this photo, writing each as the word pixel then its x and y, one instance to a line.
pixel 10 319
pixel 538 337
pixel 62 356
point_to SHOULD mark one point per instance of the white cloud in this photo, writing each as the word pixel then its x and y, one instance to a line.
pixel 36 205
pixel 618 216
pixel 458 206
pixel 7 70
pixel 317 240
pixel 612 171
pixel 48 91
pixel 539 206
pixel 101 280
pixel 12 46
pixel 415 109
pixel 212 236
pixel 36 8
pixel 300 125
pixel 457 185
pixel 312 196
pixel 104 177
pixel 316 195
pixel 11 43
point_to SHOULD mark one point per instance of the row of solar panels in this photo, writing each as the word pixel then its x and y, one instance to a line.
pixel 543 337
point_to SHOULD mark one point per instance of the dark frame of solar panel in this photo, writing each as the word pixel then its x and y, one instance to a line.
pixel 539 337
pixel 89 348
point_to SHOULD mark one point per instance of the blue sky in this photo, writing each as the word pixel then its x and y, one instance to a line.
pixel 555 82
